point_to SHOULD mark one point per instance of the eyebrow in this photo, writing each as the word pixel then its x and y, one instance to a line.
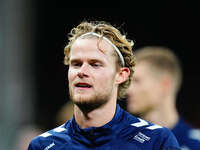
pixel 89 60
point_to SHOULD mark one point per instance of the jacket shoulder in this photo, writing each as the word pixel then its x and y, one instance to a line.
pixel 52 138
pixel 145 133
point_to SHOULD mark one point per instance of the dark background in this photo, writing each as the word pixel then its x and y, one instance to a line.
pixel 173 25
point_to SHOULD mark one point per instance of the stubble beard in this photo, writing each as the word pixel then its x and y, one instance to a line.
pixel 90 103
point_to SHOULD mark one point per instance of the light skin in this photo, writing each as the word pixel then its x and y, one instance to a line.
pixel 151 95
pixel 93 81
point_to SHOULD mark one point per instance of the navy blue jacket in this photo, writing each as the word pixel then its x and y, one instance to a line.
pixel 187 136
pixel 123 132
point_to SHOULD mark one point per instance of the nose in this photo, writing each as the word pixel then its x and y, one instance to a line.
pixel 83 71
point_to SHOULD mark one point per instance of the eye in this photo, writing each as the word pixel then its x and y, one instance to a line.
pixel 96 65
pixel 76 64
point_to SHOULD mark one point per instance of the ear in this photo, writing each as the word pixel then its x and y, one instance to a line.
pixel 166 84
pixel 122 75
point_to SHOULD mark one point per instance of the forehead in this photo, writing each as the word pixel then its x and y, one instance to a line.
pixel 91 47
pixel 143 68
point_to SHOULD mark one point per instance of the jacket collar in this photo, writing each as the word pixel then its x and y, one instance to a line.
pixel 97 134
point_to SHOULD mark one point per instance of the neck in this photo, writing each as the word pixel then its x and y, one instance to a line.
pixel 166 115
pixel 97 117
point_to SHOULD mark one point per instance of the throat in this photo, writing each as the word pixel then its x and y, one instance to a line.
pixel 95 117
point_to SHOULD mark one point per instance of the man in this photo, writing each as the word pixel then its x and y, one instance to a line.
pixel 100 67
pixel 152 94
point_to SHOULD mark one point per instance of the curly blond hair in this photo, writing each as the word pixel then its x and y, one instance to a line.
pixel 114 35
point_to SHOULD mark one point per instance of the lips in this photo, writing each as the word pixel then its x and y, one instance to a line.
pixel 83 85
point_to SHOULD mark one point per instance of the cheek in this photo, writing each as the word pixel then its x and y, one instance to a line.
pixel 131 89
pixel 142 91
pixel 104 80
pixel 149 93
pixel 71 75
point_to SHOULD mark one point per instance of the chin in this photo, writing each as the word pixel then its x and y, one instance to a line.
pixel 83 99
pixel 88 102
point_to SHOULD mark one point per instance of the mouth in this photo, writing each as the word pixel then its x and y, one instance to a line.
pixel 83 85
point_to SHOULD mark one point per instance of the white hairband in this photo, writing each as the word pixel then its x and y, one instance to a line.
pixel 116 49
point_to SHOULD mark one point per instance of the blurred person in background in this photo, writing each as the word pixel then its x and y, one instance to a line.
pixel 153 93
pixel 24 135
pixel 65 113
pixel 101 65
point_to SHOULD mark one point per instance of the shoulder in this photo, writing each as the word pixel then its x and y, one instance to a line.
pixel 142 131
pixel 140 125
pixel 194 134
pixel 52 138
pixel 187 136
pixel 191 138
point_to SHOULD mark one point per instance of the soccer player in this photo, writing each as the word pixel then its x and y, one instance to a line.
pixel 101 65
pixel 153 93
